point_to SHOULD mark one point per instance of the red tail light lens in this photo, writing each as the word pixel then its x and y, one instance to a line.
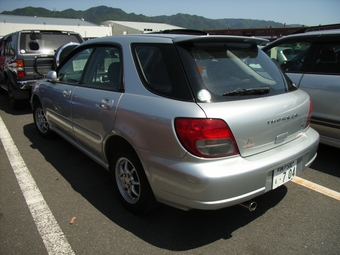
pixel 209 138
pixel 21 74
pixel 309 113
pixel 20 68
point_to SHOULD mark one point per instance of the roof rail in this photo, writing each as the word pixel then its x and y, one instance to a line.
pixel 316 28
pixel 181 31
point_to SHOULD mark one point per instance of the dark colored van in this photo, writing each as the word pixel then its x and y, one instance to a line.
pixel 27 56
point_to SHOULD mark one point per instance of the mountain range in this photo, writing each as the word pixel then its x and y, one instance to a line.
pixel 102 13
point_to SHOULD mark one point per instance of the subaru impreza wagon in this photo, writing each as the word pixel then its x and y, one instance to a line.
pixel 195 122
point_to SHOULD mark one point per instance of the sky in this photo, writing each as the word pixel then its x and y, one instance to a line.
pixel 304 12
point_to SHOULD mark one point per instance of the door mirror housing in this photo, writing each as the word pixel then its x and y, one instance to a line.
pixel 52 76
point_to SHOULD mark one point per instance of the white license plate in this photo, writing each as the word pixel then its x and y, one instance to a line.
pixel 284 174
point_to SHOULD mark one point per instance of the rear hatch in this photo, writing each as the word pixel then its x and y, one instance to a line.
pixel 37 49
pixel 264 123
pixel 37 66
pixel 233 80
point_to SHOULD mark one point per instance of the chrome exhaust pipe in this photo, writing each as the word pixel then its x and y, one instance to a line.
pixel 250 205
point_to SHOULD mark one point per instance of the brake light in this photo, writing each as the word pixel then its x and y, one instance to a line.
pixel 309 113
pixel 21 74
pixel 209 138
pixel 20 68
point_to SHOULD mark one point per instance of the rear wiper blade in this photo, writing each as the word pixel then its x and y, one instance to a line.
pixel 248 91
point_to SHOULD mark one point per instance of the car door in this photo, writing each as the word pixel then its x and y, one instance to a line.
pixel 57 97
pixel 322 84
pixel 95 100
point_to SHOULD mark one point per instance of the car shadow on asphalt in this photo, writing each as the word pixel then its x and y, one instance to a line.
pixel 166 227
pixel 327 160
pixel 5 105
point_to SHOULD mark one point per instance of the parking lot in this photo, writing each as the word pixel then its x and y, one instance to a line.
pixel 293 219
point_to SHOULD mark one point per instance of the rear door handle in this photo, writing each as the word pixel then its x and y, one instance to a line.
pixel 106 104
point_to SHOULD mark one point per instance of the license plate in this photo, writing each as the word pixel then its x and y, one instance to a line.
pixel 284 174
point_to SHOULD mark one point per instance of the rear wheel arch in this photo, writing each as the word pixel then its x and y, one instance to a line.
pixel 113 144
pixel 137 196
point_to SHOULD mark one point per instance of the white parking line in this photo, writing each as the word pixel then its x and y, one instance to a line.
pixel 52 235
pixel 317 187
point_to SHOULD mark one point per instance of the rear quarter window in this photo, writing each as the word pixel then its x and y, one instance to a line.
pixel 160 70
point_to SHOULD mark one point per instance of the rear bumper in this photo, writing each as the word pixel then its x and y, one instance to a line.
pixel 25 85
pixel 21 94
pixel 22 90
pixel 194 183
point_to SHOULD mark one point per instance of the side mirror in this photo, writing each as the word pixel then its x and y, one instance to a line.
pixel 51 76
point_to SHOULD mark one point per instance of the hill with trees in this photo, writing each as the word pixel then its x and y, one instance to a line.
pixel 102 13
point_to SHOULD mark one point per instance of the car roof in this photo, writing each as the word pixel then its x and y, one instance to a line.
pixel 170 38
pixel 315 33
pixel 307 34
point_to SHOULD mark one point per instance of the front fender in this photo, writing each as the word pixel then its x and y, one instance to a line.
pixel 36 93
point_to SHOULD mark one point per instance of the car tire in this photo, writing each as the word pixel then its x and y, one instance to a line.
pixel 3 91
pixel 40 121
pixel 131 182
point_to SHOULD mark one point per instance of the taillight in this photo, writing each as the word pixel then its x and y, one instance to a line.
pixel 210 138
pixel 20 63
pixel 309 113
pixel 20 68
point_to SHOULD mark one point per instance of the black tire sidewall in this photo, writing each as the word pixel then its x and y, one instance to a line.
pixel 146 195
pixel 48 133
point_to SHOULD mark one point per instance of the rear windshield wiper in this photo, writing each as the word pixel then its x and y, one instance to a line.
pixel 248 91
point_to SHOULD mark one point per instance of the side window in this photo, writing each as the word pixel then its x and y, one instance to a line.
pixel 9 50
pixel 160 70
pixel 289 56
pixel 328 59
pixel 12 46
pixel 154 69
pixel 72 70
pixel 2 47
pixel 105 69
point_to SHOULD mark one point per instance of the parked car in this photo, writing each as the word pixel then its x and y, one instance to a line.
pixel 26 56
pixel 312 62
pixel 195 122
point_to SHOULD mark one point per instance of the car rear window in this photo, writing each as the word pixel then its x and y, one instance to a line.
pixel 45 43
pixel 223 71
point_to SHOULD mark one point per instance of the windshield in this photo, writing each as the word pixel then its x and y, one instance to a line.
pixel 232 69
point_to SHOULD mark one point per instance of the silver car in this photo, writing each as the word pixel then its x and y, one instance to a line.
pixel 195 122
pixel 312 62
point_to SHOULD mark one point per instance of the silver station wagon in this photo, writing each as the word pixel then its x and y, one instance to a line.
pixel 191 121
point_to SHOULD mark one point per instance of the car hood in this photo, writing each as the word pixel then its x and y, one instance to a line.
pixel 263 123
